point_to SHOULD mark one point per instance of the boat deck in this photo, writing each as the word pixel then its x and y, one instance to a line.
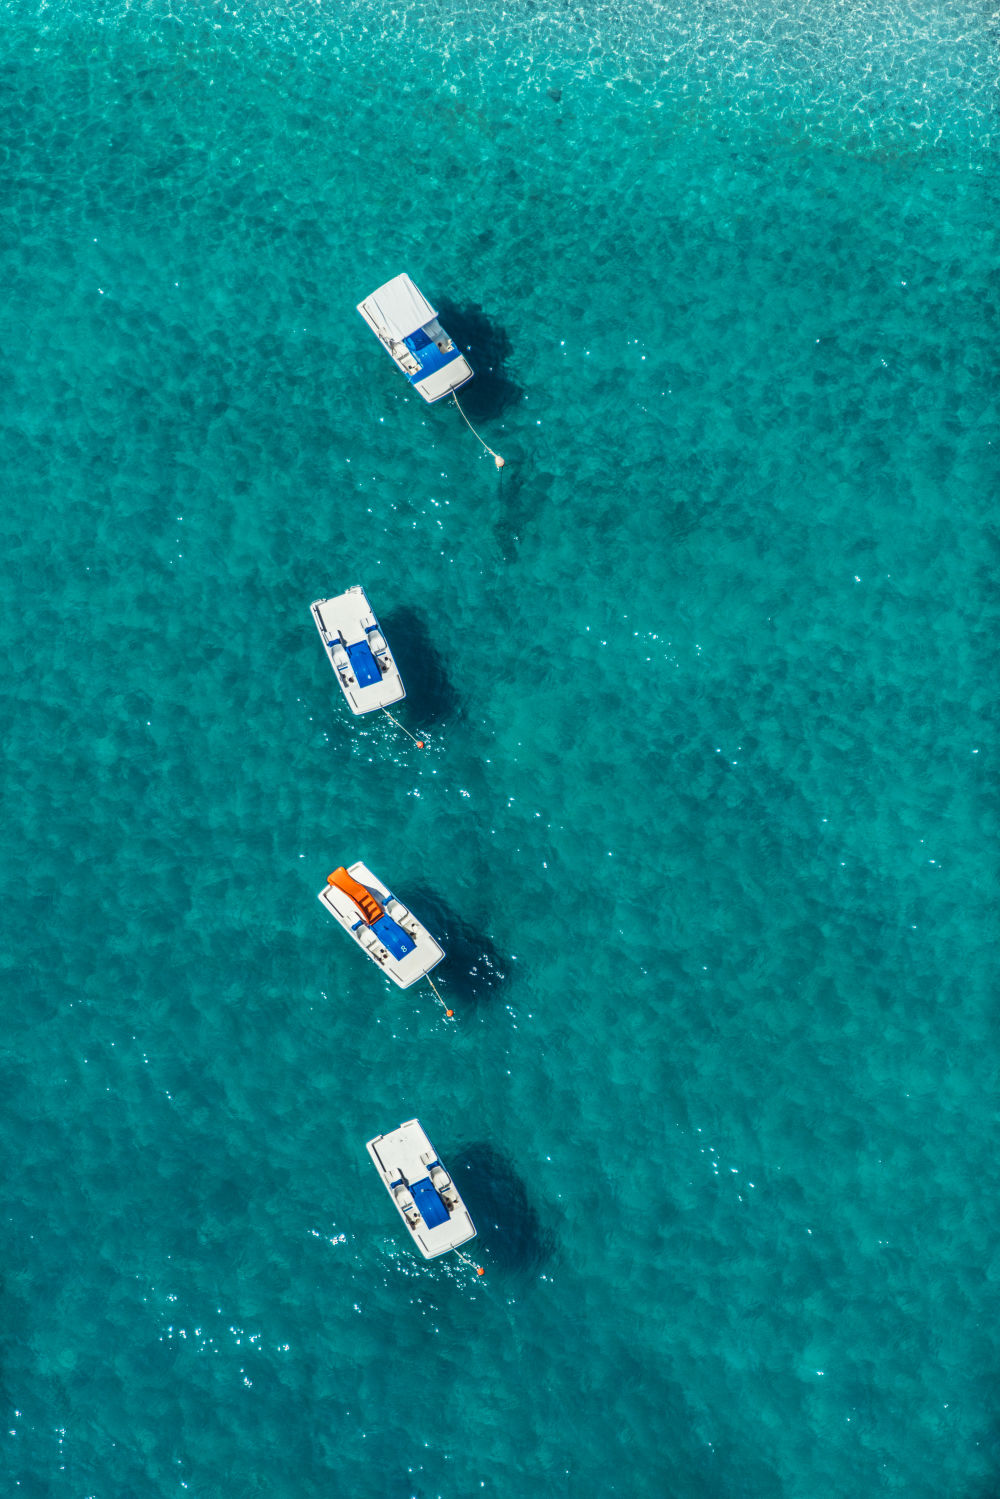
pixel 424 1194
pixel 381 941
pixel 369 676
pixel 407 326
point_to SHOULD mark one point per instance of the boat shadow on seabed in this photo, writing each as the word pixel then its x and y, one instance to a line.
pixel 985 1488
pixel 472 969
pixel 431 696
pixel 496 1197
pixel 491 391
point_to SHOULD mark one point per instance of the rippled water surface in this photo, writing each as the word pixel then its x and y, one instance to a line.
pixel 707 818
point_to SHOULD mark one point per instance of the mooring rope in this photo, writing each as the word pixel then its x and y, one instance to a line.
pixel 496 456
pixel 449 1013
pixel 466 1261
pixel 418 742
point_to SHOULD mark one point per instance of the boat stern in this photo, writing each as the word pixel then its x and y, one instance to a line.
pixel 445 379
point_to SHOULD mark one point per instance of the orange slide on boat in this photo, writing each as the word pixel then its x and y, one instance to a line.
pixel 362 898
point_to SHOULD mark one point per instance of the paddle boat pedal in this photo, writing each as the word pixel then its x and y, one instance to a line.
pixel 357 650
pixel 381 926
pixel 407 326
pixel 426 1198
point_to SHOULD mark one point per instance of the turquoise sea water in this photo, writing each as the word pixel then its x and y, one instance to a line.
pixel 707 819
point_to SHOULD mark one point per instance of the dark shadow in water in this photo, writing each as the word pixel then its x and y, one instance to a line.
pixel 492 391
pixel 472 970
pixel 430 692
pixel 525 491
pixel 400 1479
pixel 988 1446
pixel 501 1209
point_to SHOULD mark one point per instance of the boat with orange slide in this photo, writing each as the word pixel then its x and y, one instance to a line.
pixel 380 924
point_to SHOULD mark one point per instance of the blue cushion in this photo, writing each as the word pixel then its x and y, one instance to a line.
pixel 432 1209
pixel 392 936
pixel 364 664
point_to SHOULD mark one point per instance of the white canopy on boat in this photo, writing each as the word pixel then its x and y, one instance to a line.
pixel 399 307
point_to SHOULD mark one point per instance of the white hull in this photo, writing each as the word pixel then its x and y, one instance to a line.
pixel 426 1198
pixel 382 941
pixel 358 652
pixel 407 327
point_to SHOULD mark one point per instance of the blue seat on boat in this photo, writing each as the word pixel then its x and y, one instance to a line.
pixel 364 665
pixel 432 1209
pixel 392 936
pixel 417 341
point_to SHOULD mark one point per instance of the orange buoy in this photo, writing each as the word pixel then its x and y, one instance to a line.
pixel 420 744
pixel 499 463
